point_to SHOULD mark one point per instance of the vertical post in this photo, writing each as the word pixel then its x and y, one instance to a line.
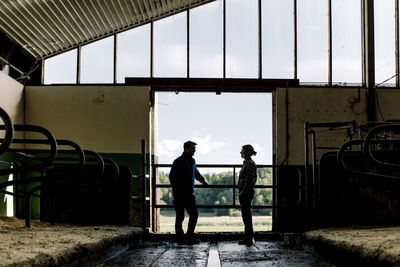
pixel 259 40
pixel 363 50
pixel 42 72
pixel 17 189
pixel 295 37
pixel 187 43
pixel 153 197
pixel 369 54
pixel 306 156
pixel 78 65
pixel 224 40
pixel 143 182
pixel 151 49
pixel 397 43
pixel 53 210
pixel 115 59
pixel 330 42
pixel 234 186
pixel 28 211
pixel 274 197
pixel 314 166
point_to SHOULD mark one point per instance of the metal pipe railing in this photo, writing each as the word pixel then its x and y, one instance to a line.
pixel 143 182
pixel 115 167
pixel 341 151
pixel 233 186
pixel 368 140
pixel 312 198
pixel 341 162
pixel 96 159
pixel 72 183
pixel 52 178
pixel 44 161
pixel 9 128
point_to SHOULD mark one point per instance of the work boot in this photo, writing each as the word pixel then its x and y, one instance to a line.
pixel 181 240
pixel 192 241
pixel 247 241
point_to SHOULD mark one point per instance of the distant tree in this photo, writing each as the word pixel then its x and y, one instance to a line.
pixel 217 196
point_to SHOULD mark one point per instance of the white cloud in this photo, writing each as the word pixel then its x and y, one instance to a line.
pixel 205 145
pixel 169 147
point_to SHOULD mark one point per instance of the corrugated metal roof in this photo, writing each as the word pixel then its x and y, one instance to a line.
pixel 48 27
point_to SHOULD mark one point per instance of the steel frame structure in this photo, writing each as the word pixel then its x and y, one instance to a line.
pixel 367 45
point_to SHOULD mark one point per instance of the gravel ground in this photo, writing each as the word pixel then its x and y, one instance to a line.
pixel 45 245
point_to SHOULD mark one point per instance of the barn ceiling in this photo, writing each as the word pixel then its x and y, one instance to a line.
pixel 48 27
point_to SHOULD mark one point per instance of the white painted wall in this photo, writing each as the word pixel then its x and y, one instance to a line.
pixel 388 104
pixel 103 118
pixel 11 98
pixel 12 101
pixel 314 105
pixel 113 119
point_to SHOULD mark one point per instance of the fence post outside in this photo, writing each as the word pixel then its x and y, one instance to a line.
pixel 234 186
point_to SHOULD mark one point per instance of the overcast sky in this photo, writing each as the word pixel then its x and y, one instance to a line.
pixel 219 124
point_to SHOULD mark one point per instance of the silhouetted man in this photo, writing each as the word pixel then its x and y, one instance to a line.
pixel 182 177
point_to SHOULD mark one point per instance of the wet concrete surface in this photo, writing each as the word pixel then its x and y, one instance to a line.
pixel 224 253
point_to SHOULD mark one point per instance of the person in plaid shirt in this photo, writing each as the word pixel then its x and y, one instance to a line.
pixel 247 180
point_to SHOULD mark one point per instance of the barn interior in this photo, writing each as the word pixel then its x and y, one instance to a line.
pixel 79 109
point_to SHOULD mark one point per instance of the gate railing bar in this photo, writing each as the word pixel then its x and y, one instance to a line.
pixel 233 186
pixel 368 140
pixel 312 198
pixel 143 182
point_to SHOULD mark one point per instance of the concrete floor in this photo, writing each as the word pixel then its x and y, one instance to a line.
pixel 224 253
pixel 71 245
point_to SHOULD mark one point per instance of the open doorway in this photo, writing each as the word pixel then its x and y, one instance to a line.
pixel 220 125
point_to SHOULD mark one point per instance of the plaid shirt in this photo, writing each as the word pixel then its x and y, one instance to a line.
pixel 248 173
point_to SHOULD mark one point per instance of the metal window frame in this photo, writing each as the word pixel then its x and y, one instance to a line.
pixel 187 43
pixel 330 42
pixel 367 44
pixel 295 38
pixel 259 39
pixel 397 43
pixel 115 59
pixel 224 39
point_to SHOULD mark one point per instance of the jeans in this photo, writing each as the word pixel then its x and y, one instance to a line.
pixel 182 202
pixel 245 203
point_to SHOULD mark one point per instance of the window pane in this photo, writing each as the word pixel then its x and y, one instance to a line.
pixel 384 41
pixel 133 53
pixel 312 41
pixel 97 62
pixel 241 39
pixel 277 39
pixel 6 69
pixel 206 40
pixel 170 46
pixel 346 41
pixel 61 68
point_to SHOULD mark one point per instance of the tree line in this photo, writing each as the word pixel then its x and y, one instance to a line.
pixel 224 196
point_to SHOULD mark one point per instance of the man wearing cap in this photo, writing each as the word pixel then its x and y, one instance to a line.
pixel 182 177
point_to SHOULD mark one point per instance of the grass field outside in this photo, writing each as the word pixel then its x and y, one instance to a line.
pixel 217 223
